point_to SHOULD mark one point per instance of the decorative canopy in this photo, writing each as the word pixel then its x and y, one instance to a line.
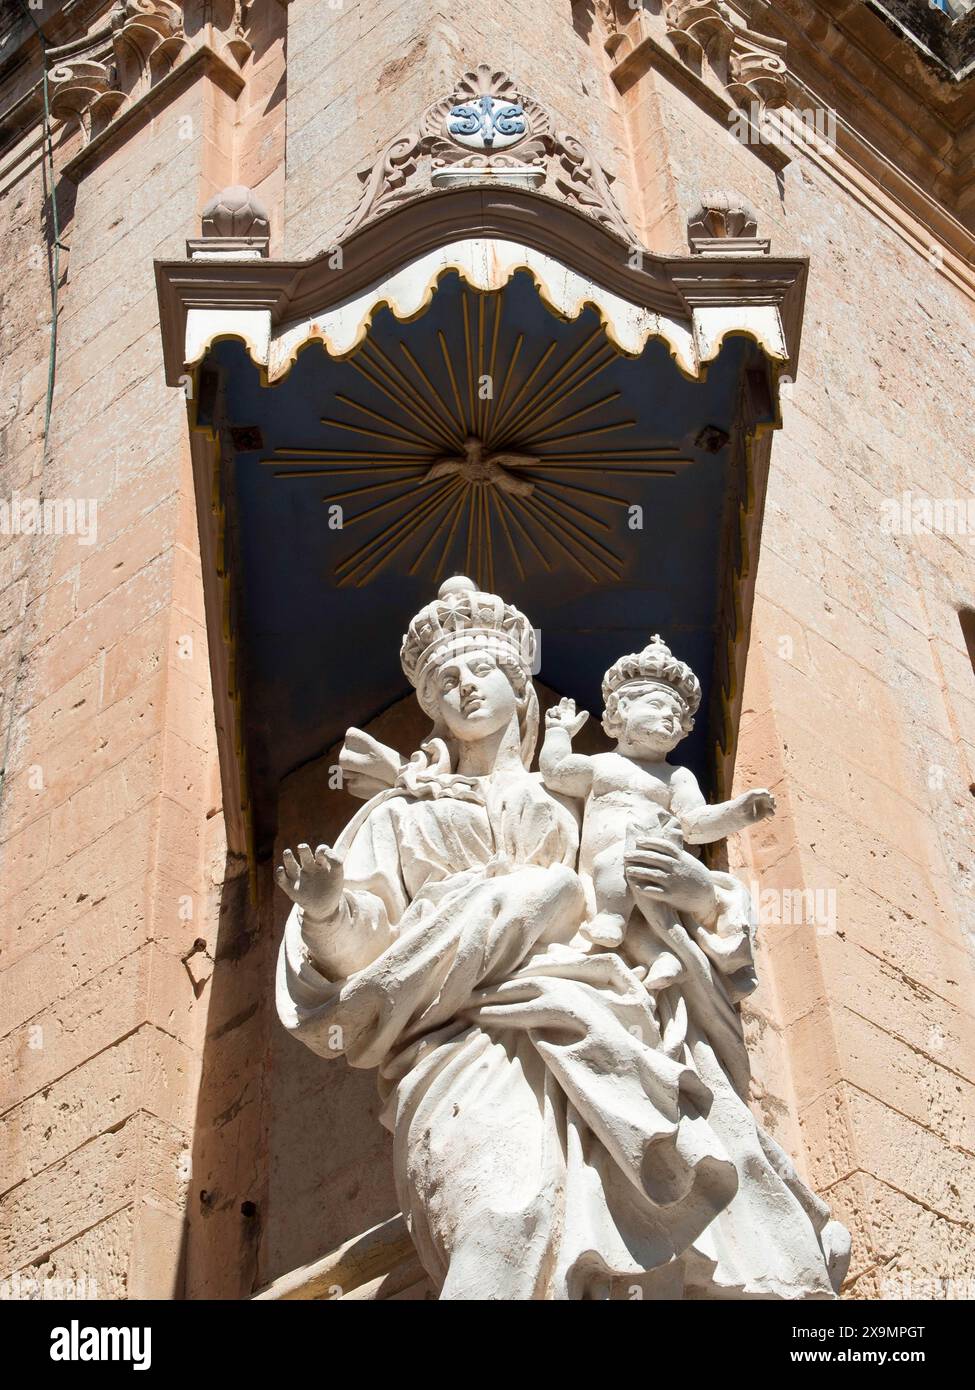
pixel 487 374
pixel 489 264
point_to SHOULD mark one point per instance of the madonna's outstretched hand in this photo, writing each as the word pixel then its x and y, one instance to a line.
pixel 313 881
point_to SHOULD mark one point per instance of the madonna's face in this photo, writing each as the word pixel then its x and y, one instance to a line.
pixel 474 696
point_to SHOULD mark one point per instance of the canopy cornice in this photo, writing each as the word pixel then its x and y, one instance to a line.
pixel 486 234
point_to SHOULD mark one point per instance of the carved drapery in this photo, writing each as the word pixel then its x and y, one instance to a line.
pixel 487 131
pixel 138 42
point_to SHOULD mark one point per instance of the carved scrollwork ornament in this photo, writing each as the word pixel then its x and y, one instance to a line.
pixel 486 130
pixel 615 41
pixel 387 182
pixel 93 79
pixel 487 126
pixel 83 91
pixel 751 65
pixel 607 13
pixel 700 28
pixel 585 183
pixel 758 71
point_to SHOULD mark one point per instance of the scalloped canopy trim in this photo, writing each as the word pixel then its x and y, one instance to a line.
pixel 487 264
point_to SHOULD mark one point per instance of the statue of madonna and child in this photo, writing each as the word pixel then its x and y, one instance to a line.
pixel 546 976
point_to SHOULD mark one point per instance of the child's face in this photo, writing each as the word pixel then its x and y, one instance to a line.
pixel 652 720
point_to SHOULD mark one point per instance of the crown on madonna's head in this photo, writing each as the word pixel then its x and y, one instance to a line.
pixel 462 618
pixel 656 664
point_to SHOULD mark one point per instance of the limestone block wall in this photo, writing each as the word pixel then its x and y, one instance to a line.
pixel 112 849
pixel 101 785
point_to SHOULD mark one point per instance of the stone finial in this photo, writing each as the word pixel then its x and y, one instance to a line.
pixel 236 212
pixel 723 214
pixel 725 225
pixel 235 227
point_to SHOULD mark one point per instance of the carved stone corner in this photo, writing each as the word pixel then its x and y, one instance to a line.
pixel 758 71
pixel 485 132
pixel 725 225
pixel 711 34
pixel 236 226
pixel 94 79
pixel 700 29
pixel 616 42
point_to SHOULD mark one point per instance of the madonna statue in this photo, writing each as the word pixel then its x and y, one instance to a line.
pixel 549 1141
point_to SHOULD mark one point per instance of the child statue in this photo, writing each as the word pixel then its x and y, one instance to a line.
pixel 631 793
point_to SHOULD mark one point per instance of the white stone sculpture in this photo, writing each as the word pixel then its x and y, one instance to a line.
pixel 549 1142
pixel 650 701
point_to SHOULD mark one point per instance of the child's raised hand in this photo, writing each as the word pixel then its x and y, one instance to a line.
pixel 564 716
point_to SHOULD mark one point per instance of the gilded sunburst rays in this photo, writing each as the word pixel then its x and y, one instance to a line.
pixel 483 453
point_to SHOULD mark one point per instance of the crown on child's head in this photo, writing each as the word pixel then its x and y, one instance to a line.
pixel 658 665
pixel 461 618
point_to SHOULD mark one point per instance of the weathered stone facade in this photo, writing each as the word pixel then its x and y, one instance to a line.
pixel 151 1138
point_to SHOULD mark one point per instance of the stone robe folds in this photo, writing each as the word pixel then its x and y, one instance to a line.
pixel 546 1144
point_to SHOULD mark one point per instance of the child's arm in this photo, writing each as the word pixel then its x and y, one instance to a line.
pixel 562 770
pixel 703 824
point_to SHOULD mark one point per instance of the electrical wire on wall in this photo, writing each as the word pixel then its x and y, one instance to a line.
pixel 54 265
pixel 54 261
